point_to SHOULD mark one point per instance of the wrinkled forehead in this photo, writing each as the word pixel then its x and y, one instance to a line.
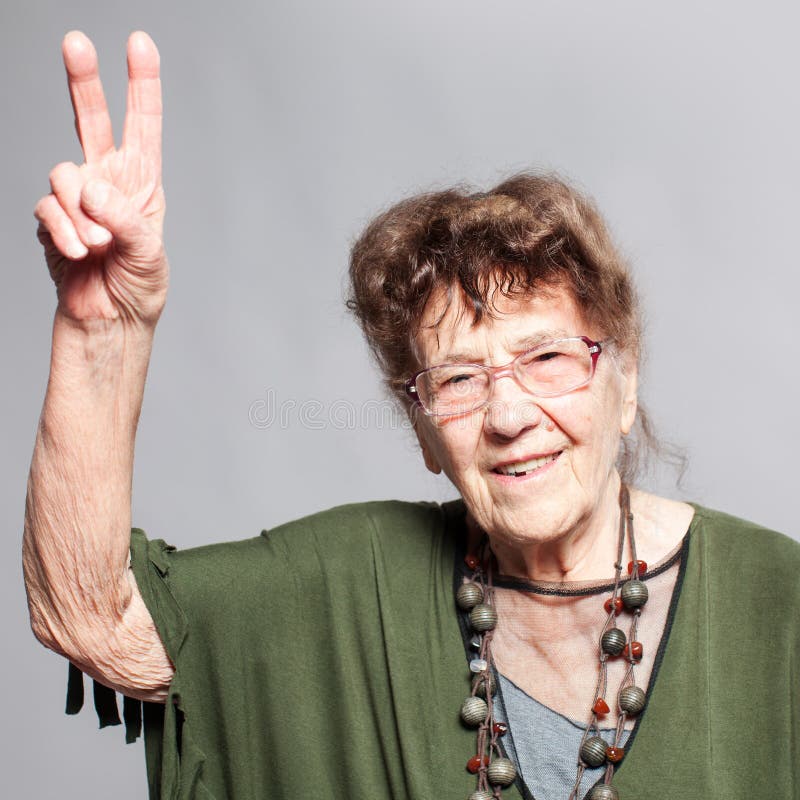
pixel 451 330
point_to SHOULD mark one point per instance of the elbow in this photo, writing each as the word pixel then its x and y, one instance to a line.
pixel 74 618
pixel 45 634
pixel 77 639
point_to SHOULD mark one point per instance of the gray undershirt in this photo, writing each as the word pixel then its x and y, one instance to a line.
pixel 544 744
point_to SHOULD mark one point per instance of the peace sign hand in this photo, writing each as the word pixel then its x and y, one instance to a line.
pixel 101 225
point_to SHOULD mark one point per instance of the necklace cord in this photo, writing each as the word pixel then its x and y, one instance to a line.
pixel 495 771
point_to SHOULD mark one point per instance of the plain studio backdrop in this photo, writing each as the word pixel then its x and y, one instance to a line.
pixel 287 126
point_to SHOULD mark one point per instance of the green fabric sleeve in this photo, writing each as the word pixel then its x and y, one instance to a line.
pixel 300 644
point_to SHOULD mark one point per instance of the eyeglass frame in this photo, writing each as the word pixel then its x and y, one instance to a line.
pixel 504 370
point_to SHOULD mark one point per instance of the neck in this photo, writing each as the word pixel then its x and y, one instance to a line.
pixel 587 551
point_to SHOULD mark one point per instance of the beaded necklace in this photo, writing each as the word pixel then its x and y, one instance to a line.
pixel 476 599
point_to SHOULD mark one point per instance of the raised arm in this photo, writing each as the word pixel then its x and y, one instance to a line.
pixel 101 228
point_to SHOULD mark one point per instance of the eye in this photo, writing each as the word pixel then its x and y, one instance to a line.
pixel 466 376
pixel 556 368
pixel 454 379
pixel 548 356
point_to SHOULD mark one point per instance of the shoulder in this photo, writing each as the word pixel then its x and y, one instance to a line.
pixel 330 539
pixel 731 533
pixel 358 519
pixel 395 531
pixel 744 550
pixel 358 524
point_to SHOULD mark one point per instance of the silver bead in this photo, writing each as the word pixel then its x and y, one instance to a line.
pixel 475 641
pixel 593 751
pixel 613 642
pixel 501 772
pixel 468 596
pixel 479 684
pixel 604 791
pixel 483 617
pixel 481 795
pixel 474 711
pixel 631 699
pixel 634 594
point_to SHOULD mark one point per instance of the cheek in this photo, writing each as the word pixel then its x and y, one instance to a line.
pixel 575 416
pixel 591 424
pixel 456 443
pixel 606 434
pixel 459 448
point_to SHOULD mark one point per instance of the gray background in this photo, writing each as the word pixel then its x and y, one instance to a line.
pixel 287 126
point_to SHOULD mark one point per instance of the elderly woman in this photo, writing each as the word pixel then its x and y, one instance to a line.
pixel 552 634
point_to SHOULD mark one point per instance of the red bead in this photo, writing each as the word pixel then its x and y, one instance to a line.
pixel 634 649
pixel 642 567
pixel 600 707
pixel 476 762
pixel 614 754
pixel 471 561
pixel 618 605
pixel 500 728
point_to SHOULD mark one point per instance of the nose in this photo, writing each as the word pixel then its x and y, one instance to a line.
pixel 511 409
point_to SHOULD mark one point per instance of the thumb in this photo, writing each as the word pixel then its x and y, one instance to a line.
pixel 109 207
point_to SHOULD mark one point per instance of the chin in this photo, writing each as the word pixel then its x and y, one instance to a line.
pixel 541 505
pixel 528 523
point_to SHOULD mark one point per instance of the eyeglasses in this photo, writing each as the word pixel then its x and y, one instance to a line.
pixel 549 370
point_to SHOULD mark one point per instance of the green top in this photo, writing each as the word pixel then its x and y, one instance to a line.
pixel 324 659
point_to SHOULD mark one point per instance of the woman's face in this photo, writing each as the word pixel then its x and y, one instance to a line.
pixel 566 446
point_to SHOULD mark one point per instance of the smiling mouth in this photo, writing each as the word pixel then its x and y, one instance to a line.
pixel 520 468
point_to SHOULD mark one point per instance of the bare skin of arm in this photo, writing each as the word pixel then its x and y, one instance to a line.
pixel 101 228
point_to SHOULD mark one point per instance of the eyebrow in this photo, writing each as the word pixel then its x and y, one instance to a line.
pixel 519 346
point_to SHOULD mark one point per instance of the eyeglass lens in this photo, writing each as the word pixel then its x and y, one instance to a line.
pixel 547 371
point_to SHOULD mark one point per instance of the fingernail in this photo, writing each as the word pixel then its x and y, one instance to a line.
pixel 96 193
pixel 98 236
pixel 76 250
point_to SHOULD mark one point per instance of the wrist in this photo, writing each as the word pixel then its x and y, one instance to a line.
pixel 98 364
pixel 100 340
pixel 108 329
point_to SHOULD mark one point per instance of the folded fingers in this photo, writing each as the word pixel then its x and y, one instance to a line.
pixel 56 228
pixel 66 182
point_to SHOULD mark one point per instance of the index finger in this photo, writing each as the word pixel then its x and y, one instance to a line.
pixel 92 120
pixel 144 112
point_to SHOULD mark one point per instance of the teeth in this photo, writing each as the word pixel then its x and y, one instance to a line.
pixel 523 467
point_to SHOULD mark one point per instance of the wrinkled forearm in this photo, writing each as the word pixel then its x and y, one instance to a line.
pixel 77 518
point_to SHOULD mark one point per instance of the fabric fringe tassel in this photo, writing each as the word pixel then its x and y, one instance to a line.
pixel 105 704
